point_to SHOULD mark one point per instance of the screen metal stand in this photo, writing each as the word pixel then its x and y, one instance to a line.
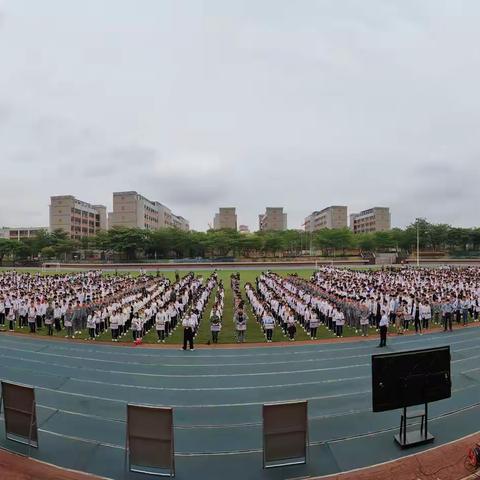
pixel 414 437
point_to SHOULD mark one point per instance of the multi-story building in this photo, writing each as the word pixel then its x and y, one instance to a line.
pixel 225 218
pixel 243 229
pixel 273 219
pixel 181 223
pixel 76 218
pixel 20 233
pixel 132 210
pixel 334 216
pixel 165 216
pixel 376 219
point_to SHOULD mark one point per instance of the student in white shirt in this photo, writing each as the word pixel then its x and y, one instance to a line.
pixel 291 327
pixel 57 315
pixel 160 325
pixel 97 315
pixel 313 325
pixel 383 326
pixel 32 317
pixel 268 325
pixel 240 318
pixel 22 314
pixel 140 325
pixel 215 326
pixel 340 322
pixel 114 326
pixel 2 311
pixel 11 319
pixel 425 314
pixel 91 326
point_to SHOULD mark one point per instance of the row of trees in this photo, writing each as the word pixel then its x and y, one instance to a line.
pixel 134 243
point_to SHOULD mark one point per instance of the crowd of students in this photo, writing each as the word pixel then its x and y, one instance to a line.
pixel 406 296
pixel 71 303
pixel 240 317
pixel 216 315
pixel 68 302
pixel 194 315
pixel 279 302
pixel 333 297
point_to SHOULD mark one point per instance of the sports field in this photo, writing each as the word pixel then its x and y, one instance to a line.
pixel 227 334
pixel 217 394
pixel 82 388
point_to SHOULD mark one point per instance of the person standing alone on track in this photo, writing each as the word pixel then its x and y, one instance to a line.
pixel 188 324
pixel 383 325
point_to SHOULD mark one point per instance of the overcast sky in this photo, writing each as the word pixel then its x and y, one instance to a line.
pixel 201 104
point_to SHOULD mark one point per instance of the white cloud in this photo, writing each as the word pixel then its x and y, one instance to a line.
pixel 200 104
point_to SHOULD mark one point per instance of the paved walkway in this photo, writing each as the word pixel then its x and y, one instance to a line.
pixel 442 463
pixel 17 467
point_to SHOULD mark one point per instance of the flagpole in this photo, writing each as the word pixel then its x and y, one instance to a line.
pixel 418 246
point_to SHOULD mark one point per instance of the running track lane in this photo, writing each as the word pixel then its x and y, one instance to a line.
pixel 82 390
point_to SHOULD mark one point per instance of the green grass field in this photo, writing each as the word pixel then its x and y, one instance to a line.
pixel 227 334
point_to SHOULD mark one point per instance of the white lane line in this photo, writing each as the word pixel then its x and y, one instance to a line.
pixel 197 365
pixel 201 406
pixel 161 375
pixel 370 434
pixel 285 352
pixel 240 425
pixel 239 452
pixel 203 389
pixel 160 364
pixel 220 389
pixel 332 476
pixel 122 350
pixel 472 369
pixel 196 426
pixel 244 404
pixel 254 374
pixel 200 389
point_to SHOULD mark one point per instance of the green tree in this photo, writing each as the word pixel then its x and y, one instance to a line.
pixel 383 241
pixel 48 252
pixel 64 248
pixel 128 241
pixel 6 248
pixel 21 250
pixel 272 243
pixel 249 244
pixel 365 242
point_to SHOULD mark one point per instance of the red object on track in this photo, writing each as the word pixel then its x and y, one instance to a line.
pixel 474 456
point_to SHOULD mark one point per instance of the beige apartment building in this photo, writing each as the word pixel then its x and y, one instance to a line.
pixel 167 219
pixel 75 217
pixel 334 216
pixel 132 210
pixel 274 218
pixel 376 219
pixel 225 218
pixel 181 223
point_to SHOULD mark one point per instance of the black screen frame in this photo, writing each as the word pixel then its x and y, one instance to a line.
pixel 409 378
